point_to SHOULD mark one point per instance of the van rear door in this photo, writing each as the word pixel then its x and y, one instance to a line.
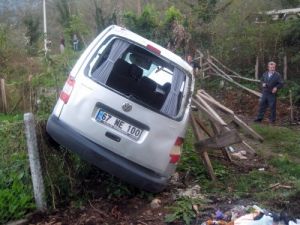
pixel 131 102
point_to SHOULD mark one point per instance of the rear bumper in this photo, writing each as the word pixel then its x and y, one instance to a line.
pixel 103 158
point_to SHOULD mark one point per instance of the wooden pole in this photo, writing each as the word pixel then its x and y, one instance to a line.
pixel 291 106
pixel 34 161
pixel 285 67
pixel 241 86
pixel 203 153
pixel 3 95
pixel 256 68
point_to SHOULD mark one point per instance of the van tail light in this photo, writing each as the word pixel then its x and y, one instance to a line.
pixel 176 151
pixel 67 90
pixel 153 49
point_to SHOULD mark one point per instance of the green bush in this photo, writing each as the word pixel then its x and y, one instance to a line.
pixel 16 196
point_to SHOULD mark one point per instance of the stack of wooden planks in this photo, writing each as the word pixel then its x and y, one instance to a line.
pixel 213 131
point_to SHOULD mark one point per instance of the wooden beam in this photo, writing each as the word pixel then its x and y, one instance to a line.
pixel 216 68
pixel 220 140
pixel 199 135
pixel 244 78
pixel 207 113
pixel 215 103
pixel 210 110
pixel 250 149
pixel 3 95
pixel 225 67
pixel 239 85
pixel 211 134
pixel 247 129
pixel 256 68
pixel 217 130
pixel 235 118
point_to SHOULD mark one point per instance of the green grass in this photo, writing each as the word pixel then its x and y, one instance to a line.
pixel 16 197
pixel 281 139
pixel 280 151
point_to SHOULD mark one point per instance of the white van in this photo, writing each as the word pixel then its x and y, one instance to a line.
pixel 125 107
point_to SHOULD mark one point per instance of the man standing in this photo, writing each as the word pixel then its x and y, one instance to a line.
pixel 271 81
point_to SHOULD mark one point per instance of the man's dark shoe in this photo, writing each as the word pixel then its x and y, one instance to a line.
pixel 257 120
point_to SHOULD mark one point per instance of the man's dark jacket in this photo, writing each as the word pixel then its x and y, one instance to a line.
pixel 274 81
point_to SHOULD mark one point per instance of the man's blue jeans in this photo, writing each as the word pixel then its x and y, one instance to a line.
pixel 268 99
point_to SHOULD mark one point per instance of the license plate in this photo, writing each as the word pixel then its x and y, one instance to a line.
pixel 118 124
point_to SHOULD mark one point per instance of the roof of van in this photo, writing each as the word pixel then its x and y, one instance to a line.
pixel 123 32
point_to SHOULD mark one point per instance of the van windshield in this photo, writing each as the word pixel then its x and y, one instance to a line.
pixel 140 75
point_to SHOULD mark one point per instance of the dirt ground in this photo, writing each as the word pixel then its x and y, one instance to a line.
pixel 137 209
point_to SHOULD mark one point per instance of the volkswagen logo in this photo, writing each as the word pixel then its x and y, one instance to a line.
pixel 126 107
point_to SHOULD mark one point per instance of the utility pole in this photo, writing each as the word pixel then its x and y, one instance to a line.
pixel 45 27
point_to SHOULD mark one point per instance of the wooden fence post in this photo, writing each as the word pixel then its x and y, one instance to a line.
pixel 285 67
pixel 34 160
pixel 256 68
pixel 291 106
pixel 3 95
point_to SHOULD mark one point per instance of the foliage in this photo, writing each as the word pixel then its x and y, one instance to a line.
pixel 103 21
pixel 63 9
pixel 115 188
pixel 190 161
pixel 16 197
pixel 183 210
pixel 76 26
pixel 173 14
pixel 32 34
pixel 145 24
pixel 3 44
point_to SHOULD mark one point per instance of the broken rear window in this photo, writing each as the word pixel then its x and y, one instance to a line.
pixel 139 75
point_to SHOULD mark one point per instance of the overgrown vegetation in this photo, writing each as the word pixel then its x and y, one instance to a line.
pixel 16 197
pixel 226 28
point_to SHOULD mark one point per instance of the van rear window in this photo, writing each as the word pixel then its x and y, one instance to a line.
pixel 140 75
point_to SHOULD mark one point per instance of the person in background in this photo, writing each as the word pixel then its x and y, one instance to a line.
pixel 75 42
pixel 192 63
pixel 62 45
pixel 271 82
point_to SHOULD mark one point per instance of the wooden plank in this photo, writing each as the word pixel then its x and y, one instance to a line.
pixel 210 110
pixel 236 119
pixel 291 106
pixel 220 141
pixel 244 78
pixel 215 103
pixel 211 134
pixel 256 68
pixel 216 129
pixel 238 77
pixel 203 127
pixel 239 85
pixel 247 129
pixel 249 148
pixel 225 67
pixel 218 70
pixel 199 135
pixel 3 95
pixel 207 113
